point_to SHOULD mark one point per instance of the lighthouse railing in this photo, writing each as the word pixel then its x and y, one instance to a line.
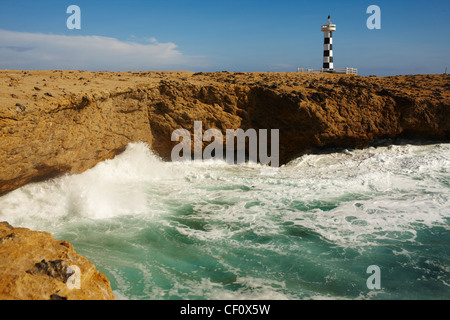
pixel 323 70
pixel 346 70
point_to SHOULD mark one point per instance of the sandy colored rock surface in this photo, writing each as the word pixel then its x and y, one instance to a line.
pixel 65 122
pixel 56 122
pixel 35 266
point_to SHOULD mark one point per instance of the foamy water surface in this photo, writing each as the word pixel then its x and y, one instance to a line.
pixel 210 230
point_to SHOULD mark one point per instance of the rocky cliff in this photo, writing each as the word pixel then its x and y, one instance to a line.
pixel 56 122
pixel 35 266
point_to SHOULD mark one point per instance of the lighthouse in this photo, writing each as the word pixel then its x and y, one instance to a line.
pixel 328 65
pixel 328 30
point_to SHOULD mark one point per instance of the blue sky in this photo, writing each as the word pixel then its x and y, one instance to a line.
pixel 231 35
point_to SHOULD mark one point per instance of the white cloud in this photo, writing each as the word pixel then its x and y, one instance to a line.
pixel 20 50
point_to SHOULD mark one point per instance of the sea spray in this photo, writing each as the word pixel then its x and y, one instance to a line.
pixel 212 230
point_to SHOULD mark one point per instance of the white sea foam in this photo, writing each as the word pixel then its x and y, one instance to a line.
pixel 345 197
pixel 124 209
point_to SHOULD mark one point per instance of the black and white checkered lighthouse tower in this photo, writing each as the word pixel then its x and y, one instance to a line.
pixel 328 30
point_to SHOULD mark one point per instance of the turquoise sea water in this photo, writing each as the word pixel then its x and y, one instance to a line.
pixel 210 230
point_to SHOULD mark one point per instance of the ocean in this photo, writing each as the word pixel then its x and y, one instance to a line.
pixel 209 230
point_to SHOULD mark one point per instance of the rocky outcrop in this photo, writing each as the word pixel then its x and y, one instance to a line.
pixel 35 266
pixel 57 122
